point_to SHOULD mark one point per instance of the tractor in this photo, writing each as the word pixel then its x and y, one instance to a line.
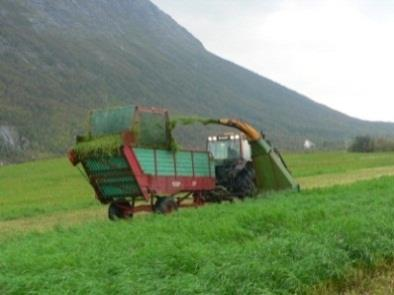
pixel 234 169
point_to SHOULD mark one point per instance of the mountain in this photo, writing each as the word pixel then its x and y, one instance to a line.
pixel 59 59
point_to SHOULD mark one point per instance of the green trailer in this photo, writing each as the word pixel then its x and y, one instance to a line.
pixel 128 161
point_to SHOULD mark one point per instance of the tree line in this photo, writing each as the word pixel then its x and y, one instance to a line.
pixel 369 144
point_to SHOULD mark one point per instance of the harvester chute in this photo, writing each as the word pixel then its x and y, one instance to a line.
pixel 271 171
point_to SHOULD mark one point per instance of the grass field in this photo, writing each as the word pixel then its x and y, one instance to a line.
pixel 313 164
pixel 54 235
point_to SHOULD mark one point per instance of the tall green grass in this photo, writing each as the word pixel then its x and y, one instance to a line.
pixel 283 244
pixel 42 187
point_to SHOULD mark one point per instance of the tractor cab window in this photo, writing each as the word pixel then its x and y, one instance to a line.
pixel 225 149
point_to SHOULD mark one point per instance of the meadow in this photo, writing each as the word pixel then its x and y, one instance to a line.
pixel 54 237
pixel 54 186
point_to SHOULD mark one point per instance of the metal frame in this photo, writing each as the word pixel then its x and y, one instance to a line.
pixel 137 119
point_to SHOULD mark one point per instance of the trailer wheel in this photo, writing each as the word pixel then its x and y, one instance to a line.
pixel 165 205
pixel 118 211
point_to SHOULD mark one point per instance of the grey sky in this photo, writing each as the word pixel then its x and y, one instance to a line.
pixel 340 53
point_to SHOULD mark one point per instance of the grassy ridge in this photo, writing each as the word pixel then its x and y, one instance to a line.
pixel 284 244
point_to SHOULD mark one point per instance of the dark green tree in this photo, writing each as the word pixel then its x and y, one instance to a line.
pixel 362 144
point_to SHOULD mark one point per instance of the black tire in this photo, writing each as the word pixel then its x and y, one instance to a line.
pixel 116 211
pixel 244 183
pixel 165 205
pixel 218 195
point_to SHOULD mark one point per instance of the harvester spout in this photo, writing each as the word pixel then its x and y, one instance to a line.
pixel 252 133
pixel 272 173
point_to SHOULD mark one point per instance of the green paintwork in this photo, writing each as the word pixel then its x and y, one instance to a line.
pixel 271 172
pixel 146 159
pixel 184 165
pixel 112 176
pixel 165 163
pixel 101 166
pixel 118 187
pixel 115 181
pixel 184 162
pixel 201 167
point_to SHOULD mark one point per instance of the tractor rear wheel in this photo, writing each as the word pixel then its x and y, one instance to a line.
pixel 165 205
pixel 244 183
pixel 118 211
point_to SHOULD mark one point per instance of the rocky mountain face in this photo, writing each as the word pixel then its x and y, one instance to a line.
pixel 60 59
pixel 11 143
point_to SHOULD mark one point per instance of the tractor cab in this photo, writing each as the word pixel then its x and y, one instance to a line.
pixel 229 146
pixel 233 163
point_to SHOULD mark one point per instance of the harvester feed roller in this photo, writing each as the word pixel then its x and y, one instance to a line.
pixel 129 158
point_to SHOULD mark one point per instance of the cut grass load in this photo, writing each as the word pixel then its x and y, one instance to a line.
pixel 99 146
pixel 179 120
pixel 109 144
pixel 287 243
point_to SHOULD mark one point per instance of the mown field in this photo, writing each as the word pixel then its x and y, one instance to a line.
pixel 54 237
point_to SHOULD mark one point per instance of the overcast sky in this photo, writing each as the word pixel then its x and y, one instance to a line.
pixel 339 53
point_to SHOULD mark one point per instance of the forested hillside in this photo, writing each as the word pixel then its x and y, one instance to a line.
pixel 59 59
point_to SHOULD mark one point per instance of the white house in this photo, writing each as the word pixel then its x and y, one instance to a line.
pixel 308 145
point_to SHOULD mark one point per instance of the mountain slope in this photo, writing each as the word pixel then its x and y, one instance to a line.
pixel 59 59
